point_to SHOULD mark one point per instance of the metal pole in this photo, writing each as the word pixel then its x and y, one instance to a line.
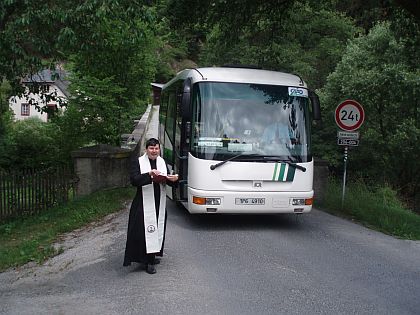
pixel 344 177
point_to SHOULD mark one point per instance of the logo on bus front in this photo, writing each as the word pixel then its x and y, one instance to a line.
pixel 295 91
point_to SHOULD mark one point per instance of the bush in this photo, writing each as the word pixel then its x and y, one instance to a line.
pixel 378 208
pixel 29 143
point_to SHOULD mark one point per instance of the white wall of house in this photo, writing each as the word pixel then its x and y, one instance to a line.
pixel 22 110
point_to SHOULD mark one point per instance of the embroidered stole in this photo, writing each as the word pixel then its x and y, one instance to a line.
pixel 153 227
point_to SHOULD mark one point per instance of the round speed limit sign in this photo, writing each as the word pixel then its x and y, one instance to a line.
pixel 349 115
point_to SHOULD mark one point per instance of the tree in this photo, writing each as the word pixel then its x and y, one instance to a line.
pixel 29 38
pixel 107 45
pixel 5 122
pixel 306 38
pixel 112 71
pixel 368 12
pixel 5 114
pixel 39 34
pixel 29 143
pixel 377 71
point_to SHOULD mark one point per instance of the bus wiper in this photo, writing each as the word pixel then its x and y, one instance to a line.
pixel 214 166
pixel 299 167
pixel 276 159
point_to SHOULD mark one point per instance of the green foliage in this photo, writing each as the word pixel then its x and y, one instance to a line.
pixel 94 111
pixel 32 238
pixel 27 36
pixel 306 38
pixel 114 49
pixel 5 112
pixel 111 72
pixel 378 208
pixel 29 143
pixel 375 70
pixel 109 48
pixel 366 13
pixel 173 44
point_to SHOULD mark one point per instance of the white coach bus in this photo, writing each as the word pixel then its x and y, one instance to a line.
pixel 240 140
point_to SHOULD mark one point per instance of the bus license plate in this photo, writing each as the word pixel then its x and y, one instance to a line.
pixel 250 201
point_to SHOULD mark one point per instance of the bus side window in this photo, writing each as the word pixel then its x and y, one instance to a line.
pixel 162 117
pixel 178 129
pixel 170 116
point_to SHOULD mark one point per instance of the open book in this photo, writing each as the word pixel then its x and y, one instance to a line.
pixel 161 178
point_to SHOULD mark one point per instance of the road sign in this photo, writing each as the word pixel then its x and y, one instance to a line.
pixel 348 135
pixel 348 142
pixel 349 115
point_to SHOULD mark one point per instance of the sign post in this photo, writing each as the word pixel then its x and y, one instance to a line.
pixel 344 177
pixel 349 116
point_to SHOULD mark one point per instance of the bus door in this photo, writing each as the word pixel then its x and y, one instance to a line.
pixel 182 139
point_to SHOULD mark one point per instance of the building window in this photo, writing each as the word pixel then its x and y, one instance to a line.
pixel 25 109
pixel 51 110
pixel 45 88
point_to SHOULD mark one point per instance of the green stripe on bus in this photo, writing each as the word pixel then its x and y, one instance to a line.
pixel 275 171
pixel 291 174
pixel 282 169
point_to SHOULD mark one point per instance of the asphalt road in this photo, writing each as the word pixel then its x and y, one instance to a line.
pixel 221 264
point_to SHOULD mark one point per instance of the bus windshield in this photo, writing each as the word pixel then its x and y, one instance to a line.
pixel 250 120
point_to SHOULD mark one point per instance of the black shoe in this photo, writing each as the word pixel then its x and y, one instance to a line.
pixel 156 261
pixel 150 269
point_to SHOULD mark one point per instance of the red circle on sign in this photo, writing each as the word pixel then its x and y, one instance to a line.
pixel 349 115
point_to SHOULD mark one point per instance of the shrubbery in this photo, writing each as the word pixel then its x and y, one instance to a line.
pixel 377 207
pixel 29 143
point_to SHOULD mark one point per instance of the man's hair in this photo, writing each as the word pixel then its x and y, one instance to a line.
pixel 152 142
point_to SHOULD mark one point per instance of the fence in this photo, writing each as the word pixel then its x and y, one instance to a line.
pixel 27 192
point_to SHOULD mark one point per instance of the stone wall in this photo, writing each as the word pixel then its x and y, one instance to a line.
pixel 100 167
pixel 104 166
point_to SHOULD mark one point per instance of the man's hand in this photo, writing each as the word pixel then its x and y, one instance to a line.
pixel 172 178
pixel 153 173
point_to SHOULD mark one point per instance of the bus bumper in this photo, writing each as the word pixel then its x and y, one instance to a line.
pixel 200 201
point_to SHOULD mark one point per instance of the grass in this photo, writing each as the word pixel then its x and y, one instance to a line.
pixel 32 238
pixel 378 209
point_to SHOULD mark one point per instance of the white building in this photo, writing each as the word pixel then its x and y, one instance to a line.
pixel 53 85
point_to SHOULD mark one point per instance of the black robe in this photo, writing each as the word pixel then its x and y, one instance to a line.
pixel 135 249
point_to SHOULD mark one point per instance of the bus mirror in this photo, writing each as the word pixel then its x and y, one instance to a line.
pixel 316 108
pixel 186 99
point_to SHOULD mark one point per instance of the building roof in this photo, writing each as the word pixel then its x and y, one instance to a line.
pixel 57 77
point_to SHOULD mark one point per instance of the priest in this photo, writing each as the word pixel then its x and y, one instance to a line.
pixel 147 219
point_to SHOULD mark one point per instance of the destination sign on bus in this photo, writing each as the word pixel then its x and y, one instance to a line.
pixel 295 91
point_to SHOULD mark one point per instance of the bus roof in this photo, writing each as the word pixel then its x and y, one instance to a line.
pixel 238 75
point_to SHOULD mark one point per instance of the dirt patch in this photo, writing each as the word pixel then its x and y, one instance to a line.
pixel 78 248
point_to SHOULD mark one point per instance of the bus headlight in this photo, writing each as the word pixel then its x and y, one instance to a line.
pixel 213 201
pixel 207 201
pixel 302 201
